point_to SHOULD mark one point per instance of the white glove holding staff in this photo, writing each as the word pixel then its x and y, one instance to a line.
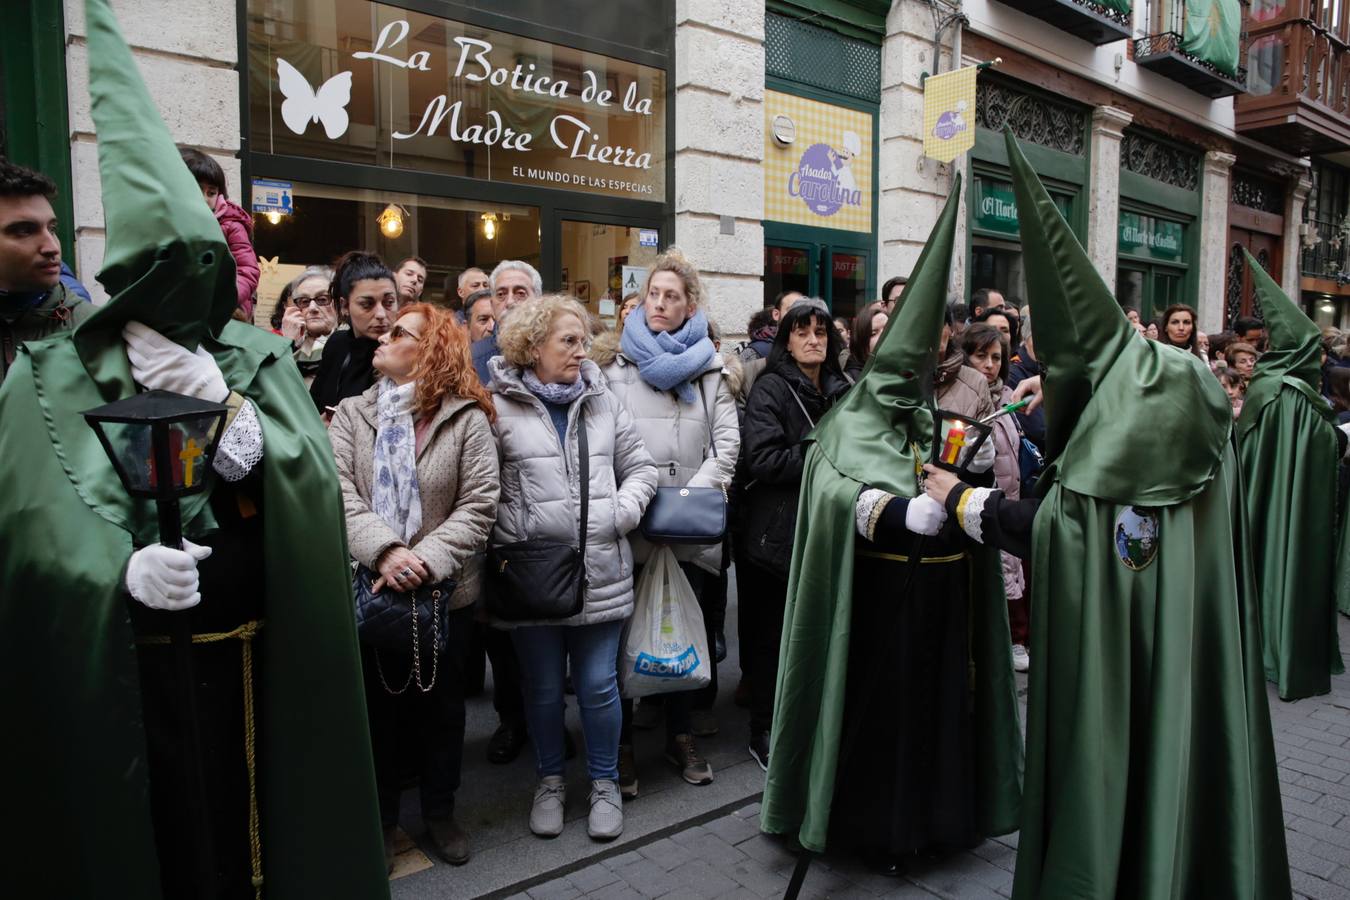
pixel 159 364
pixel 924 515
pixel 163 578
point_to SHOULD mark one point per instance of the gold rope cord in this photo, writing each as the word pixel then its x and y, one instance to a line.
pixel 923 560
pixel 244 633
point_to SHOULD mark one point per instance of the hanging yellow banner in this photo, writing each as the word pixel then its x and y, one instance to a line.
pixel 949 114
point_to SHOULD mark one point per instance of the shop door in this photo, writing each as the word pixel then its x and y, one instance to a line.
pixel 836 274
pixel 1150 289
pixel 1240 294
pixel 604 259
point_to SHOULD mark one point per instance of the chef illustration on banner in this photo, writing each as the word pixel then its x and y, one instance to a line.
pixel 842 157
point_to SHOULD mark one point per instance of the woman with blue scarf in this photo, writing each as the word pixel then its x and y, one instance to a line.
pixel 669 377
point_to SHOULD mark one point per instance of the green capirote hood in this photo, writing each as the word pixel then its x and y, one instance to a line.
pixel 1293 354
pixel 165 261
pixel 871 433
pixel 1127 419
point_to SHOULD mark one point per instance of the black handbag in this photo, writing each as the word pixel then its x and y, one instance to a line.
pixel 416 622
pixel 542 579
pixel 688 515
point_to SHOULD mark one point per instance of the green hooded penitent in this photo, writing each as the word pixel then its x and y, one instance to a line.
pixel 76 753
pixel 1287 444
pixel 1150 763
pixel 872 436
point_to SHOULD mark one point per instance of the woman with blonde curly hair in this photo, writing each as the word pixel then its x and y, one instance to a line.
pixel 545 390
pixel 418 469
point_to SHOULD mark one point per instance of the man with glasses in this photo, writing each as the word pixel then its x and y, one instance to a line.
pixel 310 318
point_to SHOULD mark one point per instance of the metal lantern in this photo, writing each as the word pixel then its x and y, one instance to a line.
pixel 956 440
pixel 161 445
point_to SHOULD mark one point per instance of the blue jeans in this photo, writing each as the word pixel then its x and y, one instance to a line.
pixel 544 651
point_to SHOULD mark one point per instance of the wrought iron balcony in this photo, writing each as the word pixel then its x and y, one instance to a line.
pixel 1299 83
pixel 1327 258
pixel 1164 51
pixel 1093 22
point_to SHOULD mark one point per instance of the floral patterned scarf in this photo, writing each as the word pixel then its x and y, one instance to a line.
pixel 396 498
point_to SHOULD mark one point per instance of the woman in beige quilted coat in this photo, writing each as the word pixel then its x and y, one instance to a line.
pixel 418 467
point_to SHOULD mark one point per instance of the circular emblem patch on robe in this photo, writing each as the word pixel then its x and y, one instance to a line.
pixel 1136 537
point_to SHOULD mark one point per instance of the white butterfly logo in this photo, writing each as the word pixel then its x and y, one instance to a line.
pixel 304 105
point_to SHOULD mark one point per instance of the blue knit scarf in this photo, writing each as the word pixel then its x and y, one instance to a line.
pixel 668 360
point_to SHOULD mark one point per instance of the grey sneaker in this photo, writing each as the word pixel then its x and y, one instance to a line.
pixel 683 755
pixel 606 819
pixel 546 815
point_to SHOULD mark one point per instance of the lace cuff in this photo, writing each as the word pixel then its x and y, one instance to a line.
pixel 241 446
pixel 867 512
pixel 969 510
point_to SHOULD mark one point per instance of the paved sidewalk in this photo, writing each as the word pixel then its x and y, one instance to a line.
pixel 728 857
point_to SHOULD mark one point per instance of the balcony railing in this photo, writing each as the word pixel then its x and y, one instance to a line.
pixel 1328 257
pixel 1164 51
pixel 1093 22
pixel 1298 81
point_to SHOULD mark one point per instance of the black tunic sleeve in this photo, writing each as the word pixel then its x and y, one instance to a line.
pixel 1003 523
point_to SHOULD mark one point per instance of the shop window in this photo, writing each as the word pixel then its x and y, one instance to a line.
pixel 1151 274
pixel 324 222
pixel 603 263
pixel 996 251
pixel 786 269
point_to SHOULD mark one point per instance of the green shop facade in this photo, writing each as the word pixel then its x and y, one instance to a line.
pixel 1157 228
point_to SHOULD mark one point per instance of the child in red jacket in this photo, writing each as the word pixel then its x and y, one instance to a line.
pixel 235 223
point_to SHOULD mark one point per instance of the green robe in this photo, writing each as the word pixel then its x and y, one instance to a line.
pixel 1289 463
pixel 1288 447
pixel 64 632
pixel 1150 761
pixel 871 436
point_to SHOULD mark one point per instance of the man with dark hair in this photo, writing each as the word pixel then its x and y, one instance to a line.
pixel 1252 331
pixel 985 298
pixel 411 277
pixel 478 315
pixel 34 302
pixel 891 291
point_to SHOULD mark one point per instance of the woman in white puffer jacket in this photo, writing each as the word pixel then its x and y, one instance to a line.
pixel 541 384
pixel 668 375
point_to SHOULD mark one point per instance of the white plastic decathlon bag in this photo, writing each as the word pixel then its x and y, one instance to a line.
pixel 665 647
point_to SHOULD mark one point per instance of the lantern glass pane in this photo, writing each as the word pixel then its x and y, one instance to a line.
pixel 188 442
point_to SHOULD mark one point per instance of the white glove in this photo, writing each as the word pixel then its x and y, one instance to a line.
pixel 984 457
pixel 163 578
pixel 159 364
pixel 1345 430
pixel 924 515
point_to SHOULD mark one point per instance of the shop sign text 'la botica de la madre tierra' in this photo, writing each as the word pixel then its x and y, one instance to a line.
pixel 362 82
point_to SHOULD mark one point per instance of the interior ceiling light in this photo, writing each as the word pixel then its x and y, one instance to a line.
pixel 391 220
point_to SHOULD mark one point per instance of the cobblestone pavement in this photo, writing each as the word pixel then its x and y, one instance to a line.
pixel 728 857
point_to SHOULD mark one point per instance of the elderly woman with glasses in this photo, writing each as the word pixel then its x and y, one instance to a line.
pixel 545 391
pixel 418 469
pixel 308 317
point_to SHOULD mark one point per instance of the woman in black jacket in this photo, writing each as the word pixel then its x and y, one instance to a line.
pixel 367 298
pixel 800 382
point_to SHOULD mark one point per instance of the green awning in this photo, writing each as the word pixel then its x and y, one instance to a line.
pixel 1211 33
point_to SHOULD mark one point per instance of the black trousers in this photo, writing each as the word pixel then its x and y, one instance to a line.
pixel 763 597
pixel 679 705
pixel 507 698
pixel 434 722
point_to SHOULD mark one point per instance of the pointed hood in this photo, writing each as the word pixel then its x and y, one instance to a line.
pixel 1112 397
pixel 165 262
pixel 870 434
pixel 1295 352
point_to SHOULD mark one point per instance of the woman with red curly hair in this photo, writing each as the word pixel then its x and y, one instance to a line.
pixel 418 467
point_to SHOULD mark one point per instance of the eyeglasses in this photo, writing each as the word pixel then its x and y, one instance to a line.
pixel 318 300
pixel 398 331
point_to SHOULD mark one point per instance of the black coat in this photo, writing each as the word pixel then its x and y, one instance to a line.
pixel 773 456
pixel 345 370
